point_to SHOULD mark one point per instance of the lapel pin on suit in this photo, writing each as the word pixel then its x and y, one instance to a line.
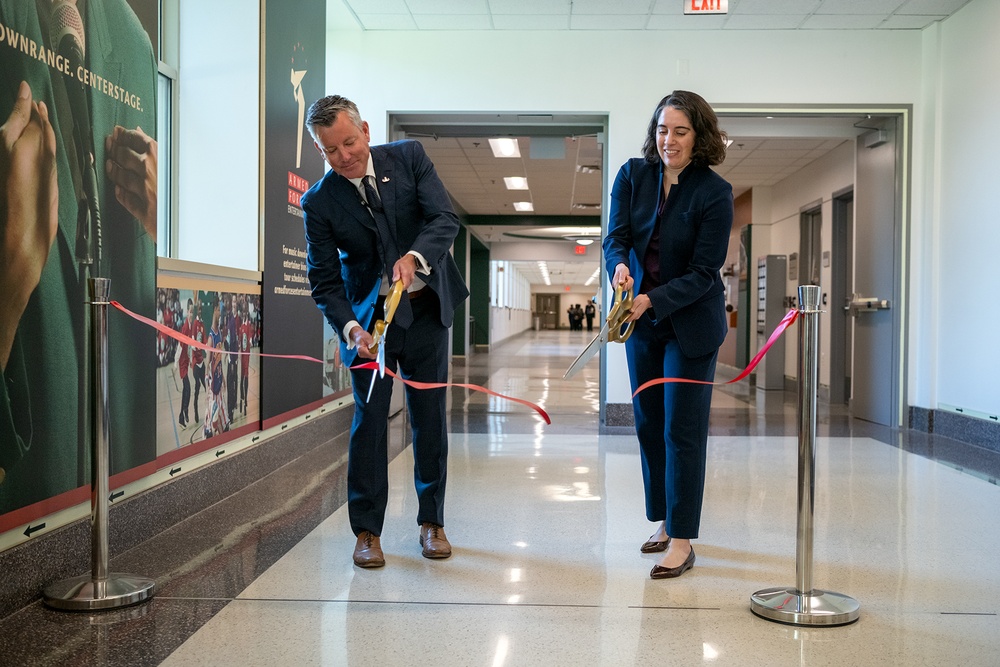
pixel 385 179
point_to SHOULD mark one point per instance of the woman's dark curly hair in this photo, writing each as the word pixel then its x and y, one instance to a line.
pixel 709 140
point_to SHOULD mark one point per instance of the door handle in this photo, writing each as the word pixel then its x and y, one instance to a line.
pixel 866 304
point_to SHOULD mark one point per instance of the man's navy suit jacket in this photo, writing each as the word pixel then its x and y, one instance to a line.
pixel 694 242
pixel 343 262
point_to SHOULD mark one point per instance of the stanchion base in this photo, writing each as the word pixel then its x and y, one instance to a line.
pixel 788 605
pixel 83 594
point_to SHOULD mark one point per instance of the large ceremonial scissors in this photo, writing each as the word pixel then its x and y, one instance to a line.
pixel 611 331
pixel 379 335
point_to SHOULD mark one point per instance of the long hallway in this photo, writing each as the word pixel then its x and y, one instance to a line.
pixel 546 523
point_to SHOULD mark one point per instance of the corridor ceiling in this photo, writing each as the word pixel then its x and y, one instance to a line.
pixel 562 157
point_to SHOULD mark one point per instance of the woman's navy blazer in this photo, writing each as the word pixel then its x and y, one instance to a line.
pixel 694 242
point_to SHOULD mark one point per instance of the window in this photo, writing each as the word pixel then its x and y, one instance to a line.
pixel 165 228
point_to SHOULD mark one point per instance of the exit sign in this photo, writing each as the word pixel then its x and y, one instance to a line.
pixel 706 6
pixel 580 249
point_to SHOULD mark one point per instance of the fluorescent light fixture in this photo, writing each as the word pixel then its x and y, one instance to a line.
pixel 505 147
pixel 524 206
pixel 585 241
pixel 515 182
pixel 544 269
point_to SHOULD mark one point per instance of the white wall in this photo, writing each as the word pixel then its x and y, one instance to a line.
pixel 947 73
pixel 956 358
pixel 506 323
pixel 513 315
pixel 218 134
pixel 515 71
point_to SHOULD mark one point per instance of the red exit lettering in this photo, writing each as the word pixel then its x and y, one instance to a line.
pixel 706 6
pixel 580 250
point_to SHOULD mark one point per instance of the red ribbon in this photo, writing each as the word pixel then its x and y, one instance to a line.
pixel 371 365
pixel 780 329
pixel 187 340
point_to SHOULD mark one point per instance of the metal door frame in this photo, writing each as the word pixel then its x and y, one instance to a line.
pixel 901 223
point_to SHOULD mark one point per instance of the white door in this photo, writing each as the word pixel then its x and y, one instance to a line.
pixel 874 309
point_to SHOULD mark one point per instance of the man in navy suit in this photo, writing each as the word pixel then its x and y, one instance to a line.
pixel 382 215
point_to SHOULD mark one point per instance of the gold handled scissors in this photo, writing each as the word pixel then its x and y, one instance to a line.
pixel 379 334
pixel 612 330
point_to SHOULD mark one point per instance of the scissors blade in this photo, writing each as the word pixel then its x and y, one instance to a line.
pixel 371 386
pixel 588 352
pixel 380 355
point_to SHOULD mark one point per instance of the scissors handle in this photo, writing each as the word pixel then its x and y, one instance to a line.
pixel 389 310
pixel 618 315
pixel 392 301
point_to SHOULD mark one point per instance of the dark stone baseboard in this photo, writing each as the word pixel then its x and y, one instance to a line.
pixel 65 552
pixel 956 426
pixel 618 415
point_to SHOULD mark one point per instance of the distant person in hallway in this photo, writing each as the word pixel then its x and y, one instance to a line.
pixel 383 215
pixel 668 236
pixel 590 311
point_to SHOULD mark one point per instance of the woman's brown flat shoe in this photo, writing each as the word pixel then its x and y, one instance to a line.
pixel 659 572
pixel 651 546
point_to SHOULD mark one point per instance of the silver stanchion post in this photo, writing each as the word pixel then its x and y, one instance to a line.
pixel 805 605
pixel 99 589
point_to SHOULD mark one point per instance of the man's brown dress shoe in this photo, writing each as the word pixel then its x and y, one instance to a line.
pixel 652 546
pixel 659 572
pixel 434 541
pixel 368 550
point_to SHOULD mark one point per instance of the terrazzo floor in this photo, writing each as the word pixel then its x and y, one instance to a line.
pixel 546 523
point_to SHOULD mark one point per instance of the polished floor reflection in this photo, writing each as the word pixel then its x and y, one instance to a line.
pixel 546 523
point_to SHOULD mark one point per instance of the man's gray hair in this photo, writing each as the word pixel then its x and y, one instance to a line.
pixel 324 112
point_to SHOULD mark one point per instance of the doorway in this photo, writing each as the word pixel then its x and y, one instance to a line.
pixel 868 349
pixel 547 310
pixel 841 288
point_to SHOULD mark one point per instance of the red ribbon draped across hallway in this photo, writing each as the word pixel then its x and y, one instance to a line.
pixel 187 340
pixel 371 365
pixel 780 329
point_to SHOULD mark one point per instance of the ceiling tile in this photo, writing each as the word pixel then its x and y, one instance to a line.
pixel 452 21
pixel 773 7
pixel 915 22
pixel 930 7
pixel 616 8
pixel 876 7
pixel 448 7
pixel 378 6
pixel 387 22
pixel 597 22
pixel 842 22
pixel 531 22
pixel 551 7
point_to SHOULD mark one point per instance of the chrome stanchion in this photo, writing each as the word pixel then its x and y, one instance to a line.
pixel 99 589
pixel 805 605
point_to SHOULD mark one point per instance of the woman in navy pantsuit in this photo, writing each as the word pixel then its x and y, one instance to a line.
pixel 668 235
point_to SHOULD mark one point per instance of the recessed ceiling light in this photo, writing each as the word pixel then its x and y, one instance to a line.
pixel 505 147
pixel 516 182
pixel 585 241
pixel 523 206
